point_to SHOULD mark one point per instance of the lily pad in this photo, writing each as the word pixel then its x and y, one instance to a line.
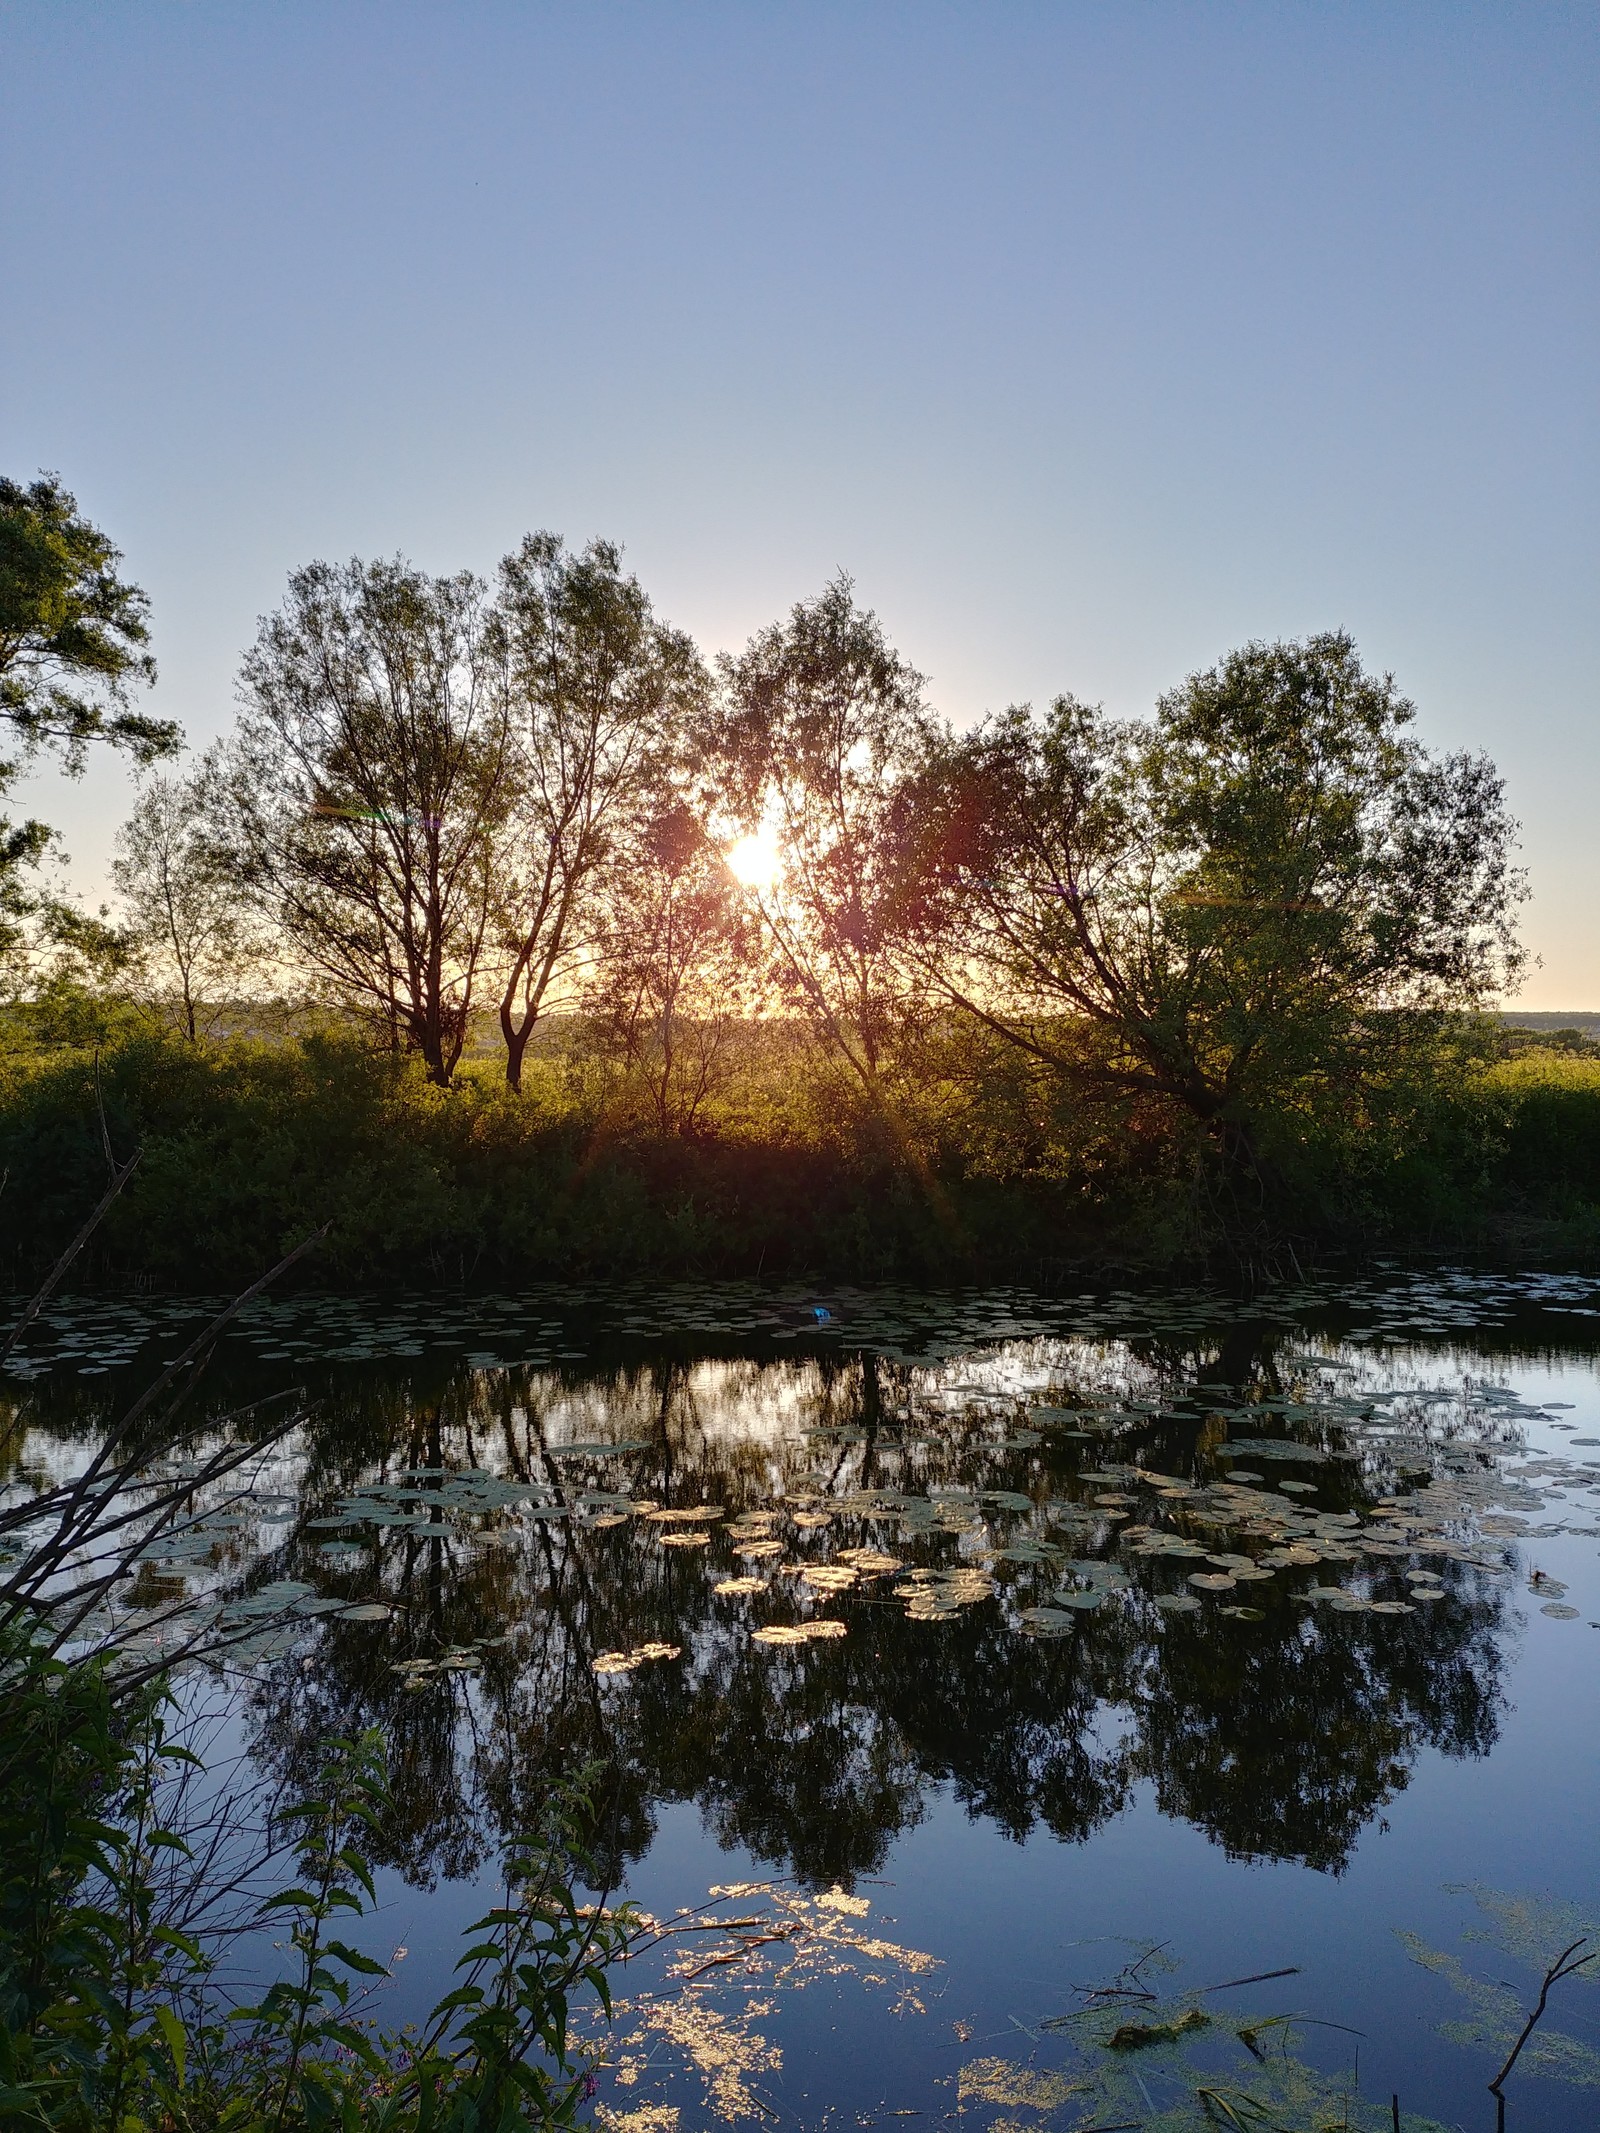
pixel 797 1632
pixel 641 1655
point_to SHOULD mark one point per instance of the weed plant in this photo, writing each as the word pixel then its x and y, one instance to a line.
pixel 113 2018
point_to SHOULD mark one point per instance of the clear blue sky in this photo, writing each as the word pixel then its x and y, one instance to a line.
pixel 1091 339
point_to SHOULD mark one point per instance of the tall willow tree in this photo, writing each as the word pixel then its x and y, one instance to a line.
pixel 822 723
pixel 594 694
pixel 367 784
pixel 1239 908
pixel 191 936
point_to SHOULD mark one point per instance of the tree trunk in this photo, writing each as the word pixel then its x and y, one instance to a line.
pixel 516 1043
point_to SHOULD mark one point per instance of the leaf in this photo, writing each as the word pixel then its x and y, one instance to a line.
pixel 627 1662
pixel 797 1632
pixel 175 2039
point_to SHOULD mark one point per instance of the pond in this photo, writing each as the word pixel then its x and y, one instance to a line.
pixel 1030 1668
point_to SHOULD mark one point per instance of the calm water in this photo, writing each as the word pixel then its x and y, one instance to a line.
pixel 1000 1639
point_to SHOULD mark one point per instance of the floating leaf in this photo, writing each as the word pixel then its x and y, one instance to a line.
pixel 797 1632
pixel 1271 1448
pixel 828 1577
pixel 1137 2036
pixel 596 1451
pixel 627 1662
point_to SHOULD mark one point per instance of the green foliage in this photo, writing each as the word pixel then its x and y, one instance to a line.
pixel 247 1143
pixel 110 2018
pixel 987 1163
pixel 73 644
pixel 1550 1102
pixel 88 1966
pixel 1248 909
pixel 73 636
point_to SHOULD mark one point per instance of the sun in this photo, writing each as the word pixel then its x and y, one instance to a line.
pixel 754 861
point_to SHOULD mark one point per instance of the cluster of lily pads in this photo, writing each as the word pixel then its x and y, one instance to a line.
pixel 1444 1470
pixel 1226 1540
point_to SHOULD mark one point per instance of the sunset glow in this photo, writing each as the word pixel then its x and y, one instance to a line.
pixel 754 861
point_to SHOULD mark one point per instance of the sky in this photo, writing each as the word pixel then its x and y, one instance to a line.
pixel 1091 340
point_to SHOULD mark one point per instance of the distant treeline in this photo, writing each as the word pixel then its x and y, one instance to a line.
pixel 762 924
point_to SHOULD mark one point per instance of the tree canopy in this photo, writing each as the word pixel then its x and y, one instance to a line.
pixel 74 645
pixel 823 724
pixel 366 790
pixel 74 636
pixel 1229 926
pixel 1233 906
pixel 596 694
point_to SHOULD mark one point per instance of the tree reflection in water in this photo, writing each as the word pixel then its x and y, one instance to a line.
pixel 1280 1738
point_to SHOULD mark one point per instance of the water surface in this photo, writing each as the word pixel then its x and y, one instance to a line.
pixel 999 1639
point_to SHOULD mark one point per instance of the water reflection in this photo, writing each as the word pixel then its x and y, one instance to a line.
pixel 1280 1737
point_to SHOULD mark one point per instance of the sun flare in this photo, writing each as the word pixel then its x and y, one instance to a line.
pixel 754 861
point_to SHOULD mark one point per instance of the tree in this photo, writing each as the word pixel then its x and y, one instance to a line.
pixel 594 693
pixel 192 930
pixel 822 724
pixel 365 788
pixel 1241 907
pixel 74 644
pixel 674 969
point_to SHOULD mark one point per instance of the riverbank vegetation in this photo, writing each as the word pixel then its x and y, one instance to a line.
pixel 247 1143
pixel 506 932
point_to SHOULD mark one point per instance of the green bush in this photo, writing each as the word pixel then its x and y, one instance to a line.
pixel 976 1166
pixel 1551 1104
